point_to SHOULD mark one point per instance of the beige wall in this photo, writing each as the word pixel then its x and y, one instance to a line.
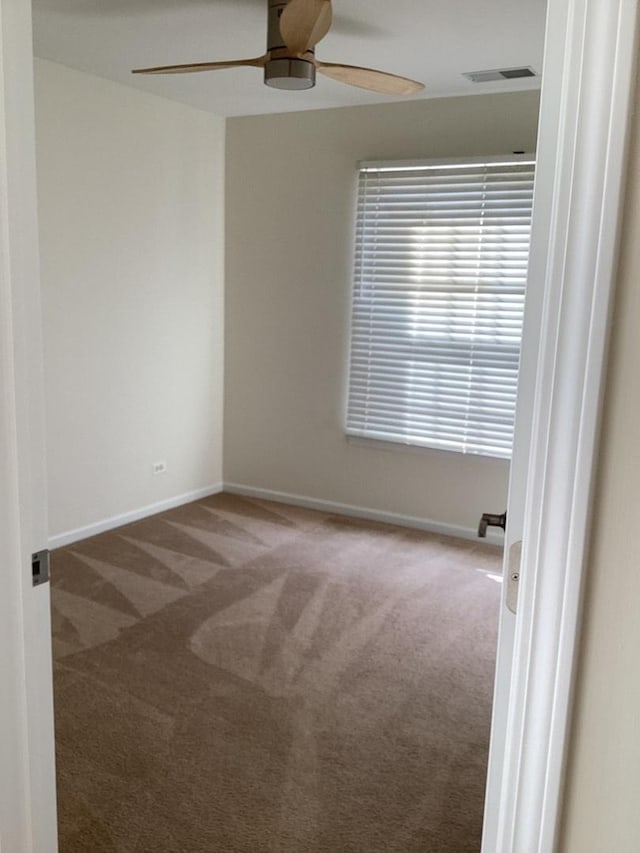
pixel 132 242
pixel 290 208
pixel 603 788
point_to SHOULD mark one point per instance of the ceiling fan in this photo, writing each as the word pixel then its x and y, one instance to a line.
pixel 294 29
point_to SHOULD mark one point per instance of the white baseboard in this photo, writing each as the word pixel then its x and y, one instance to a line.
pixel 431 526
pixel 62 539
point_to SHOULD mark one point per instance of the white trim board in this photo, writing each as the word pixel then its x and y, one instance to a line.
pixel 27 755
pixel 62 539
pixel 590 60
pixel 456 530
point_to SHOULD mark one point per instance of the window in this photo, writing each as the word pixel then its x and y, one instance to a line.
pixel 440 271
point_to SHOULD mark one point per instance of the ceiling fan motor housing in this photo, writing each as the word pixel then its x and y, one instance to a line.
pixel 284 72
pixel 290 74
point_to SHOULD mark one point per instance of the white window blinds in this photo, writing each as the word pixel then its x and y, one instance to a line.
pixel 440 271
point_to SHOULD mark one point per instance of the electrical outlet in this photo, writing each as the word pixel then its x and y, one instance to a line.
pixel 160 467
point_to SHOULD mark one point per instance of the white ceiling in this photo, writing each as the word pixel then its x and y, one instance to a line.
pixel 434 41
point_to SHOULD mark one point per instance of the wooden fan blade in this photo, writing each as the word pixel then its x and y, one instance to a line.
pixel 257 62
pixel 369 78
pixel 304 23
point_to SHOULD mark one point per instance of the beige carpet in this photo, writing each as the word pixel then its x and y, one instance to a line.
pixel 236 675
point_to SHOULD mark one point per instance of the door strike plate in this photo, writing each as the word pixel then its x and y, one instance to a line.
pixel 40 567
pixel 513 575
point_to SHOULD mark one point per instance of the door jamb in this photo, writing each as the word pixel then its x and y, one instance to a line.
pixel 27 771
pixel 589 79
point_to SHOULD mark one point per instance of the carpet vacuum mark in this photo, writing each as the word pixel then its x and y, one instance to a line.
pixel 238 676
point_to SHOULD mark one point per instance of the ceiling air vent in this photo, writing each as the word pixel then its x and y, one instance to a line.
pixel 499 74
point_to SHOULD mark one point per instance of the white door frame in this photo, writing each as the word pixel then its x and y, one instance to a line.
pixel 27 774
pixel 588 82
pixel 585 106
